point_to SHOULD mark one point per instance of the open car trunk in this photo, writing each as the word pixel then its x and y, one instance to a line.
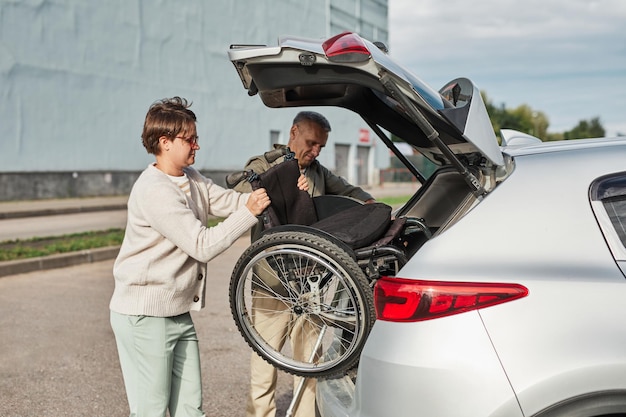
pixel 450 127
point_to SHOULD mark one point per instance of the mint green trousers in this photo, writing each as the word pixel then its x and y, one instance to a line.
pixel 160 364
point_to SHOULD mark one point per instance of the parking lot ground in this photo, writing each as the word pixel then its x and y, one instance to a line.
pixel 59 356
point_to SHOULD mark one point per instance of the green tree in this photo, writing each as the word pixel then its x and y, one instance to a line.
pixel 586 129
pixel 527 120
pixel 531 121
pixel 523 118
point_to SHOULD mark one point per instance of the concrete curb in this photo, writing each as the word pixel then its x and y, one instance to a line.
pixel 57 261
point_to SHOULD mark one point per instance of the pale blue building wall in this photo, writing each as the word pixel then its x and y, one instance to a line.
pixel 77 77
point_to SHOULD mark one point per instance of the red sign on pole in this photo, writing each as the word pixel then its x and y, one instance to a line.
pixel 364 136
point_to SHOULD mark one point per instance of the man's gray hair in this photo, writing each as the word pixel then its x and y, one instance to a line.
pixel 314 117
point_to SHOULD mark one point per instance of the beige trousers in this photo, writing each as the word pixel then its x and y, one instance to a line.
pixel 272 320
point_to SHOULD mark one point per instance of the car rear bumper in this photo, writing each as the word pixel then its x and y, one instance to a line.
pixel 444 369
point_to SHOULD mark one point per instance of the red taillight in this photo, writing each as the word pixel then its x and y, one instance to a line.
pixel 402 300
pixel 346 47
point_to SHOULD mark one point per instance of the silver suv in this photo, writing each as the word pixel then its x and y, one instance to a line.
pixel 515 304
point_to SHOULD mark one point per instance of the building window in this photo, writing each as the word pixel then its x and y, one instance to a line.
pixel 274 137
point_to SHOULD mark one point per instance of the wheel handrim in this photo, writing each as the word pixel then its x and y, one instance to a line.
pixel 333 304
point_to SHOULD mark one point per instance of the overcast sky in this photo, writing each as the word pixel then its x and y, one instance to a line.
pixel 566 58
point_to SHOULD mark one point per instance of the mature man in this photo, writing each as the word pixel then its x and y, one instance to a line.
pixel 307 136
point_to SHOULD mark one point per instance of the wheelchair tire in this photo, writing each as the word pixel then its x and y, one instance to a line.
pixel 310 297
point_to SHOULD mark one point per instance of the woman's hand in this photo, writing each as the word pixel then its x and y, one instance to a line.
pixel 303 184
pixel 258 201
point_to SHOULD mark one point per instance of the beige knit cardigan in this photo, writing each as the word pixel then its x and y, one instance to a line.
pixel 161 269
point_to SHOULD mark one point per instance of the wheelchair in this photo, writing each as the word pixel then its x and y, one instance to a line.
pixel 301 294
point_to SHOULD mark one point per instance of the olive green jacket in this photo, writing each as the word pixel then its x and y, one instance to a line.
pixel 321 180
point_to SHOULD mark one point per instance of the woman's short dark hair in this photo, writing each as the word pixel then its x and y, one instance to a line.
pixel 168 117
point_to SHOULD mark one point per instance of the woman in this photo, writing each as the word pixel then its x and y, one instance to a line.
pixel 161 270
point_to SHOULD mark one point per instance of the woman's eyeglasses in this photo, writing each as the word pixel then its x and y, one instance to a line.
pixel 192 140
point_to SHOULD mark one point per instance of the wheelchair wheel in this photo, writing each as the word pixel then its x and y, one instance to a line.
pixel 302 303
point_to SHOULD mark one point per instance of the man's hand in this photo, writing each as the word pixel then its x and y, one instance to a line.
pixel 303 184
pixel 258 201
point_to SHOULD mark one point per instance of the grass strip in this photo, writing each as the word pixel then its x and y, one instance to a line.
pixel 12 250
pixel 43 246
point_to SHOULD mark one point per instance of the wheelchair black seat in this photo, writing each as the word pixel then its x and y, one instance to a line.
pixel 357 226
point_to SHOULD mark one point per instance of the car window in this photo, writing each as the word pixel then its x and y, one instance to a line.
pixel 608 199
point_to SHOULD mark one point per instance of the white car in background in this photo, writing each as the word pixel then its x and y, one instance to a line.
pixel 516 306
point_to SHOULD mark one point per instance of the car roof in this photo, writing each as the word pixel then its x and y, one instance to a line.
pixel 561 146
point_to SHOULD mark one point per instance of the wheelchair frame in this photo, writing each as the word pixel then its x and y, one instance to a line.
pixel 300 284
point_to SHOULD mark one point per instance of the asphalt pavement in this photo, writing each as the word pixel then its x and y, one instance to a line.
pixel 48 207
pixel 58 350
